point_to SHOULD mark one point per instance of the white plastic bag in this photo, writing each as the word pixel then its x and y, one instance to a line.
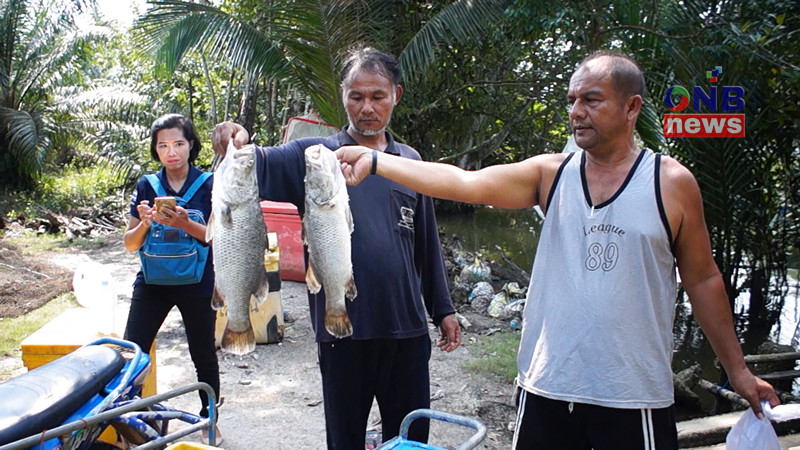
pixel 782 413
pixel 750 433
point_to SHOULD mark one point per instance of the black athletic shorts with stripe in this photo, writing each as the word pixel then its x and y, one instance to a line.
pixel 543 423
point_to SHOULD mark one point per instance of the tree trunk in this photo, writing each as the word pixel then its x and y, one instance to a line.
pixel 212 100
pixel 273 100
pixel 191 96
pixel 247 113
pixel 228 94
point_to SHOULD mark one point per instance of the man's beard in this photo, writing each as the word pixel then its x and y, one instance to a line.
pixel 367 132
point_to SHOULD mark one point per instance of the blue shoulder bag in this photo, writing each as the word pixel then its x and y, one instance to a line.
pixel 171 256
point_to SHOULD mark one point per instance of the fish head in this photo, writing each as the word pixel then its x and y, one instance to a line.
pixel 324 176
pixel 238 174
pixel 243 160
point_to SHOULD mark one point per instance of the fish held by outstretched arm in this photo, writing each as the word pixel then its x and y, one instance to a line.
pixel 327 225
pixel 237 233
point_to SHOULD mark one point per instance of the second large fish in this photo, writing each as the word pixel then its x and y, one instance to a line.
pixel 238 235
pixel 327 225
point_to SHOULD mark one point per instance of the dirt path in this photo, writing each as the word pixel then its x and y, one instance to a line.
pixel 273 397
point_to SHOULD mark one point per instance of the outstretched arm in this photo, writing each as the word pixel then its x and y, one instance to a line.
pixel 703 282
pixel 515 185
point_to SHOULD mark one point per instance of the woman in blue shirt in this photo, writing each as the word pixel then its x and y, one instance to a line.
pixel 175 144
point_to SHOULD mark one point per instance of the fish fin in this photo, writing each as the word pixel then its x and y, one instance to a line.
pixel 311 279
pixel 225 215
pixel 210 228
pixel 337 323
pixel 348 216
pixel 217 300
pixel 261 294
pixel 350 289
pixel 238 342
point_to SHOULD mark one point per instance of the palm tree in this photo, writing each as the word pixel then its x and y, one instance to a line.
pixel 749 185
pixel 39 49
pixel 302 42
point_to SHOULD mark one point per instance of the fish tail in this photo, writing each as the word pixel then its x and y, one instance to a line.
pixel 337 323
pixel 238 342
pixel 350 289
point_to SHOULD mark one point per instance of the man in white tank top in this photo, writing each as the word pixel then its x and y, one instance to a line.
pixel 595 356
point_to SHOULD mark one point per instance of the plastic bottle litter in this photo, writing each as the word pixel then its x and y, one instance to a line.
pixel 513 289
pixel 481 295
pixel 515 307
pixel 506 304
pixel 92 285
pixel 481 289
pixel 477 271
pixel 499 302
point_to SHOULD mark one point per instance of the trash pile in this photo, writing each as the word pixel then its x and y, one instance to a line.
pixel 476 287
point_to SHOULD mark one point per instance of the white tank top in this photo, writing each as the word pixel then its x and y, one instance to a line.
pixel 598 319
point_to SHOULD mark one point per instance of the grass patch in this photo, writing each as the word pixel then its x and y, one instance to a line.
pixel 496 354
pixel 14 331
pixel 34 243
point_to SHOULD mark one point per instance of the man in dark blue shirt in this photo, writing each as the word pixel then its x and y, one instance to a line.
pixel 397 265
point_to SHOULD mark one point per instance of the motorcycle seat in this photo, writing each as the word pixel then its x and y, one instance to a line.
pixel 45 397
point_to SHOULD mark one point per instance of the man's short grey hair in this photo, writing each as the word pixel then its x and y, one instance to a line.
pixel 372 60
pixel 626 75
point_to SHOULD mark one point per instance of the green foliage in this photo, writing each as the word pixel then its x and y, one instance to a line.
pixel 80 102
pixel 34 243
pixel 495 354
pixel 79 187
pixel 41 50
pixel 74 190
pixel 14 331
pixel 749 185
pixel 302 42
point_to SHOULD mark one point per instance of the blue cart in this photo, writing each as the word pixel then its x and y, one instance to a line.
pixel 401 442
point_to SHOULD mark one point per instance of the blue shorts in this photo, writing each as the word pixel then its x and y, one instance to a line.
pixel 543 423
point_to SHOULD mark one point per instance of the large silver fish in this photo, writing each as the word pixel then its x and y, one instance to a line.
pixel 327 225
pixel 238 236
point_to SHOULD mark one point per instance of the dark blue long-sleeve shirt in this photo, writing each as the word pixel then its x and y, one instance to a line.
pixel 396 253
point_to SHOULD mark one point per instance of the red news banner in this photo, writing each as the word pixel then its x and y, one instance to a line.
pixel 703 125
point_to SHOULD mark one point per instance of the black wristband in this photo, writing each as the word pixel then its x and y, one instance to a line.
pixel 374 168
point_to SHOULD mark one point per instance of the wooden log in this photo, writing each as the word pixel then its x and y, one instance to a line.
pixel 785 397
pixel 683 382
pixel 514 272
pixel 706 430
pixel 722 392
pixel 781 375
pixel 772 357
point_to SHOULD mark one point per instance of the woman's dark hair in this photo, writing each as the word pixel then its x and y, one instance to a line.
pixel 169 121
